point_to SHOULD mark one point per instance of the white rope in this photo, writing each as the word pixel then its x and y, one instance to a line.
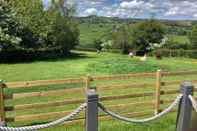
pixel 193 101
pixel 51 124
pixel 122 118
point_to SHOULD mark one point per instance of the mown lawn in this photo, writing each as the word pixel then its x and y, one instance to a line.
pixel 95 64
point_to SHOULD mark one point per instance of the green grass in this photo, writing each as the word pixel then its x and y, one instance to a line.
pixel 90 63
pixel 94 64
pixel 179 39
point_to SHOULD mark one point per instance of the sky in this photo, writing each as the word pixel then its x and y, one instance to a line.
pixel 161 9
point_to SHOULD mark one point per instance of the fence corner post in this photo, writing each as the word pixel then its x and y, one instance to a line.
pixel 92 110
pixel 158 91
pixel 185 107
pixel 2 111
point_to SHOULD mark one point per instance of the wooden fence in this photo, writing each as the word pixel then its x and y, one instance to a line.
pixel 9 104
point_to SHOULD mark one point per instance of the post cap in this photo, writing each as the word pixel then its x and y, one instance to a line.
pixel 187 86
pixel 91 95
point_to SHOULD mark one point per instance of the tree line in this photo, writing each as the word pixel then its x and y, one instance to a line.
pixel 146 36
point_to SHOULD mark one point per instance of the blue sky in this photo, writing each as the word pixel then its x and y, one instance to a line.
pixel 162 9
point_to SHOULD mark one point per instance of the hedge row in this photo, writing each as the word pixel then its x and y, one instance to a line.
pixel 30 55
pixel 175 53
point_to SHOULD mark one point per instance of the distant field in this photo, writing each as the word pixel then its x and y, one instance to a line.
pixel 90 32
pixel 179 39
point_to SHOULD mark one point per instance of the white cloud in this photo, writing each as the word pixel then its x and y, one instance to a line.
pixel 138 8
pixel 131 4
pixel 90 11
pixel 172 11
pixel 195 15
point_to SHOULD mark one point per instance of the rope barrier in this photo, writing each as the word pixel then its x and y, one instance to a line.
pixel 193 101
pixel 104 109
pixel 122 118
pixel 51 124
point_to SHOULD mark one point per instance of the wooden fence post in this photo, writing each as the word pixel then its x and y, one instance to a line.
pixel 2 111
pixel 92 111
pixel 158 90
pixel 88 82
pixel 185 108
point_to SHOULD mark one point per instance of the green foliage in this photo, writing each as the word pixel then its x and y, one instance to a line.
pixel 8 27
pixel 148 32
pixel 122 38
pixel 48 30
pixel 64 34
pixel 193 37
pixel 34 23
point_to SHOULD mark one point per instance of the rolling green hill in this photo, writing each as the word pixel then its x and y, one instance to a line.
pixel 94 27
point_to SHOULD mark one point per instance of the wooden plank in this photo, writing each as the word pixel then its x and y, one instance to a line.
pixel 168 83
pixel 118 97
pixel 179 73
pixel 77 101
pixel 170 92
pixel 49 104
pixel 78 90
pixel 124 86
pixel 42 83
pixel 43 116
pixel 47 93
pixel 136 104
pixel 157 92
pixel 123 76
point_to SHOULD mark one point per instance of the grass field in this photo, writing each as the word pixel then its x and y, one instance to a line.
pixel 95 64
pixel 90 63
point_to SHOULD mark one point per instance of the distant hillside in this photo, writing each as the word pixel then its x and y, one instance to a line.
pixel 97 27
pixel 106 20
pixel 115 20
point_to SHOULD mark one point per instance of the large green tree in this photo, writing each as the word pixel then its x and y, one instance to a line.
pixel 31 16
pixel 64 32
pixel 8 27
pixel 50 28
pixel 147 33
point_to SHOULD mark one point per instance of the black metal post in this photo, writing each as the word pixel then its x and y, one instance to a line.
pixel 92 111
pixel 185 108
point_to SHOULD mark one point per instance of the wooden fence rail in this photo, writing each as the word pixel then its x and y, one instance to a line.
pixel 155 92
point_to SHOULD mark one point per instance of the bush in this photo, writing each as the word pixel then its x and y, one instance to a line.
pixel 98 44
